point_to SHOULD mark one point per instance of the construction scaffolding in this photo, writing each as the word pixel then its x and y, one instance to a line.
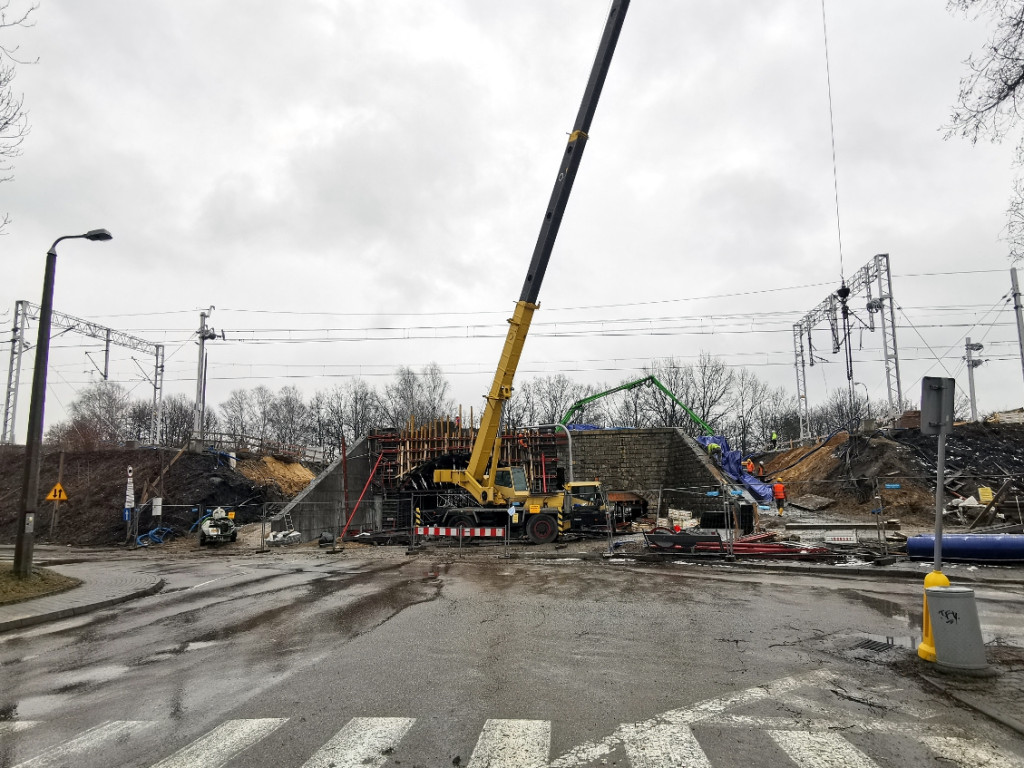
pixel 25 311
pixel 834 308
pixel 397 453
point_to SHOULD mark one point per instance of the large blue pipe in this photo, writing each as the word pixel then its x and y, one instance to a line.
pixel 969 547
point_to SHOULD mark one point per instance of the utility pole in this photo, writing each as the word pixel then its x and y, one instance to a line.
pixel 971 365
pixel 1020 317
pixel 205 334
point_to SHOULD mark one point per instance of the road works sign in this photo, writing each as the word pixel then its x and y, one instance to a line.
pixel 57 494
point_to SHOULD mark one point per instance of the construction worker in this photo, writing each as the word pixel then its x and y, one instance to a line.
pixel 749 466
pixel 760 471
pixel 775 439
pixel 779 492
pixel 715 452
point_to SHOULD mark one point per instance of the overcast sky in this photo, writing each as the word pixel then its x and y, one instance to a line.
pixel 374 172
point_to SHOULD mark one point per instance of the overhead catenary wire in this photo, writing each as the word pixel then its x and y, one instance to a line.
pixel 832 134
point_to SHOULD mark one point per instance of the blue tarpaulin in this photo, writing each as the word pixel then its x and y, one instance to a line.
pixel 732 467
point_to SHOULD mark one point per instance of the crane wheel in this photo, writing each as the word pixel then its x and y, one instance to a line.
pixel 541 529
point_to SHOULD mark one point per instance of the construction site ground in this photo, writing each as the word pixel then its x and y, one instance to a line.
pixel 830 483
pixel 95 483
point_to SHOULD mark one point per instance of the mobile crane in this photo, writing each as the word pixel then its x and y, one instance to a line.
pixel 494 489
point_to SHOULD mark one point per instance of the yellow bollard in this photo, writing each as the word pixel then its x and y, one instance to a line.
pixel 926 650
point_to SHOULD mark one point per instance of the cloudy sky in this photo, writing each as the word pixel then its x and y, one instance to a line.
pixel 358 184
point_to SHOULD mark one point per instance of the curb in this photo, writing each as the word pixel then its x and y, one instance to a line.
pixel 78 610
pixel 977 706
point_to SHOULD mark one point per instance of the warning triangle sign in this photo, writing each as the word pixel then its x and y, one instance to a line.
pixel 57 494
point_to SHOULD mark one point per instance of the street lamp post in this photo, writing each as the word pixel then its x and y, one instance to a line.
pixel 34 438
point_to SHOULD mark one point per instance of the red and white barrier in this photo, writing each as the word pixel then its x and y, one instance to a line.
pixel 456 532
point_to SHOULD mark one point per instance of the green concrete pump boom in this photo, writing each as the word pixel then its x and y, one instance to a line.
pixel 484 458
pixel 578 406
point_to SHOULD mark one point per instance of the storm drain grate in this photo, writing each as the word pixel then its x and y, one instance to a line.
pixel 875 645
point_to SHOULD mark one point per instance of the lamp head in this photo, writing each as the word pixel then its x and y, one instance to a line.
pixel 98 234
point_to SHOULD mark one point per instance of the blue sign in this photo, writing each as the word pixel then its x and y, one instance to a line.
pixel 735 492
pixel 876 511
pixel 893 486
pixel 712 493
pixel 127 514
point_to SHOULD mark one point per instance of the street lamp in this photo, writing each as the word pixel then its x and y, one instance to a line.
pixel 34 438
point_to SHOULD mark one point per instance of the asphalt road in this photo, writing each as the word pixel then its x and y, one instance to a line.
pixel 412 661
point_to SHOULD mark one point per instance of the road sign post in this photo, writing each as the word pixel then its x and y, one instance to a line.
pixel 937 396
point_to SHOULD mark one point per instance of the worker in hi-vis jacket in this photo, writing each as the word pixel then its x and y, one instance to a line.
pixel 779 492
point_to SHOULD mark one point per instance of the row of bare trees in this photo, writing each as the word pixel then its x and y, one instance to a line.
pixel 736 403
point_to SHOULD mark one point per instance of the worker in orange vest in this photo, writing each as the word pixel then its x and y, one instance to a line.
pixel 749 466
pixel 779 492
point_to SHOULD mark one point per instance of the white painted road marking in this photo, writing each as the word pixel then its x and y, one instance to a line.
pixel 664 740
pixel 62 754
pixel 663 745
pixel 512 744
pixel 593 751
pixel 222 743
pixel 971 754
pixel 14 726
pixel 821 750
pixel 364 742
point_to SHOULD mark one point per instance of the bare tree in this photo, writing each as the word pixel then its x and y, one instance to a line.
pixel 988 105
pixel 399 401
pixel 434 402
pixel 362 412
pixel 262 411
pixel 13 118
pixel 662 411
pixel 748 394
pixel 288 416
pixel 139 420
pixel 709 389
pixel 237 412
pixel 553 395
pixel 177 415
pixel 105 406
pixel 520 409
pixel 415 396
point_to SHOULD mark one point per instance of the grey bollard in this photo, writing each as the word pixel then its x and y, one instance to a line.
pixel 959 646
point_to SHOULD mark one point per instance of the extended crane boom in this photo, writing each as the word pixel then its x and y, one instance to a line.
pixel 486 449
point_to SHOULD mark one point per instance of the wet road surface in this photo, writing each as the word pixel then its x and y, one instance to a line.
pixel 302 661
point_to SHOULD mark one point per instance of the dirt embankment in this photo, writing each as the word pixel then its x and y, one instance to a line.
pixel 854 471
pixel 95 484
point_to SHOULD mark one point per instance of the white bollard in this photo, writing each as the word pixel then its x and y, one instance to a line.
pixel 959 646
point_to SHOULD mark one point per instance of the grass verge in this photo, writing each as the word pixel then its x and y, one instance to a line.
pixel 42 582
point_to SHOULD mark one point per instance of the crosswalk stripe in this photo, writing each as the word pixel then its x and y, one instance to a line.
pixel 364 742
pixel 59 754
pixel 705 710
pixel 821 750
pixel 971 753
pixel 854 725
pixel 222 743
pixel 664 745
pixel 512 744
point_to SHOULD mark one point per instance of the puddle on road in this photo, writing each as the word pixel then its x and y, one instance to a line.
pixel 89 676
pixel 194 645
pixel 889 608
